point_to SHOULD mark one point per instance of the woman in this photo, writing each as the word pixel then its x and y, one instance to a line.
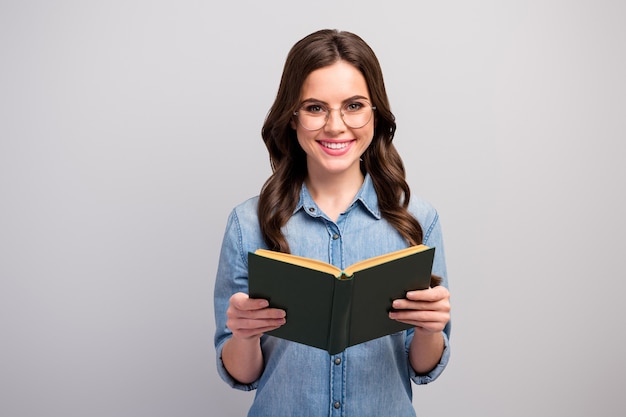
pixel 337 193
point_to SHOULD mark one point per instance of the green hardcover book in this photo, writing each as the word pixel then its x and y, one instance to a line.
pixel 331 309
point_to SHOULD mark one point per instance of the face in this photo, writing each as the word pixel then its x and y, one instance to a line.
pixel 334 149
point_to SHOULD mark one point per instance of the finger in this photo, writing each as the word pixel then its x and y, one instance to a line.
pixel 430 294
pixel 242 301
pixel 424 320
pixel 420 316
pixel 253 332
pixel 253 327
pixel 261 314
pixel 404 304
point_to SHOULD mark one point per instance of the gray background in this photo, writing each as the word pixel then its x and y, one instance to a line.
pixel 129 129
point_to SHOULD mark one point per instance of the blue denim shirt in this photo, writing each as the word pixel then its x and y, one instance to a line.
pixel 369 379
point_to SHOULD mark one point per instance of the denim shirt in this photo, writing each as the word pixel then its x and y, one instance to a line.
pixel 369 379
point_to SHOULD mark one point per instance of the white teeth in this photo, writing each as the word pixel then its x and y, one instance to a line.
pixel 335 145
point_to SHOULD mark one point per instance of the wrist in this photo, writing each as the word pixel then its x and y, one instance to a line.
pixel 246 339
pixel 427 339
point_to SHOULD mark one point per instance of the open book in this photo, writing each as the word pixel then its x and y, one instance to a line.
pixel 333 309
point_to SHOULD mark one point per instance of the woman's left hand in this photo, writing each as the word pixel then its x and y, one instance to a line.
pixel 428 310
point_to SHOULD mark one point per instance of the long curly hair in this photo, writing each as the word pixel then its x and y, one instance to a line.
pixel 280 193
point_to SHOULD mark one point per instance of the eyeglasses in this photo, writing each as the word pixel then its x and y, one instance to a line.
pixel 355 114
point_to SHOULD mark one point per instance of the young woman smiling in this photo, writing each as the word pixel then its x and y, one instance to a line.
pixel 337 193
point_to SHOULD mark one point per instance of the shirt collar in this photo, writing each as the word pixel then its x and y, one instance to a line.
pixel 366 197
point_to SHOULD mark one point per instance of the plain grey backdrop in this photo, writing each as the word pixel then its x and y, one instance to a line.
pixel 129 129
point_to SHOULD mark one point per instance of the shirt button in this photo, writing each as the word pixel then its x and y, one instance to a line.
pixel 336 404
pixel 312 209
pixel 337 361
pixel 335 236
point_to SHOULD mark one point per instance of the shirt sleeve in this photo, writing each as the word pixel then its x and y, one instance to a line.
pixel 433 238
pixel 232 277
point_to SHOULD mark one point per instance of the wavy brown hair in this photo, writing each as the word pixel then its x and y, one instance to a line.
pixel 280 193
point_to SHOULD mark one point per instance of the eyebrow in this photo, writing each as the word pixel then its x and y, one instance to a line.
pixel 315 100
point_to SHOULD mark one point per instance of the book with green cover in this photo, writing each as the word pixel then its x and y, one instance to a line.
pixel 331 309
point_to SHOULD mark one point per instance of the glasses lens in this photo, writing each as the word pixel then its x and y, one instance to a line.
pixel 356 115
pixel 312 121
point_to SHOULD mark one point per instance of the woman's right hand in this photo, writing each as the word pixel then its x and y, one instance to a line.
pixel 249 318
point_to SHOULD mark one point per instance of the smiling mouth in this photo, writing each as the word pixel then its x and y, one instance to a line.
pixel 334 145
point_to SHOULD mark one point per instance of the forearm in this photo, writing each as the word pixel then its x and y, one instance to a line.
pixel 243 359
pixel 425 350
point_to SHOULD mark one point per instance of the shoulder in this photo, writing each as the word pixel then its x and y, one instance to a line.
pixel 245 215
pixel 247 209
pixel 425 213
pixel 243 225
pixel 423 210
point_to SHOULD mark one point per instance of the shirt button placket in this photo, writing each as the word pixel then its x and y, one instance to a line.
pixel 338 389
pixel 337 364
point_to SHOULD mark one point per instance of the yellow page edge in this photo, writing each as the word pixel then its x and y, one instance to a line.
pixel 381 259
pixel 300 261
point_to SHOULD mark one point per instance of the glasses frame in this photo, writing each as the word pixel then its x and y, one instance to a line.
pixel 340 110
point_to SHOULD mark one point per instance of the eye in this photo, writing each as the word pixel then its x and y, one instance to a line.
pixel 354 106
pixel 314 108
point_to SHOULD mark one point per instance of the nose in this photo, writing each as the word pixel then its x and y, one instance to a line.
pixel 335 121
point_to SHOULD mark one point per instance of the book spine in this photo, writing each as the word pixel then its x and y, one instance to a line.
pixel 339 328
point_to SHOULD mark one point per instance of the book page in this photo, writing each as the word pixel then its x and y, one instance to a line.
pixel 377 260
pixel 300 261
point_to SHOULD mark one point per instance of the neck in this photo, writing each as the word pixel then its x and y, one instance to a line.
pixel 334 193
